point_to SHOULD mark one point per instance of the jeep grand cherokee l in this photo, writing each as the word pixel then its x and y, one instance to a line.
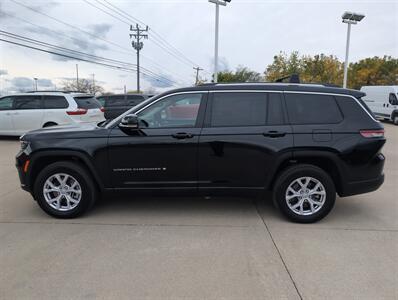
pixel 303 142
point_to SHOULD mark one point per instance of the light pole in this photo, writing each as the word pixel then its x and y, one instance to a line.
pixel 349 18
pixel 35 79
pixel 217 3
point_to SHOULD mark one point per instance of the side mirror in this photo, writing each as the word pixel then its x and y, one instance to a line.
pixel 129 122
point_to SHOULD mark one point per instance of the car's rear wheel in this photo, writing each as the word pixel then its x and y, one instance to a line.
pixel 49 124
pixel 65 190
pixel 304 193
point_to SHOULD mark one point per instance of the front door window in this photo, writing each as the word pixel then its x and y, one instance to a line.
pixel 174 111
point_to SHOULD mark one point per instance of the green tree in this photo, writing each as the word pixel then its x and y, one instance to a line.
pixel 284 65
pixel 373 71
pixel 242 74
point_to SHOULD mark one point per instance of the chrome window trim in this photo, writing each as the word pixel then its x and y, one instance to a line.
pixel 241 91
pixel 296 92
pixel 111 124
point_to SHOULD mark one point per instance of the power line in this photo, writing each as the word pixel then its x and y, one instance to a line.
pixel 159 40
pixel 70 25
pixel 147 72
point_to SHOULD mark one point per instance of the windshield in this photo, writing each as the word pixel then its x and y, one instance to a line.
pixel 131 110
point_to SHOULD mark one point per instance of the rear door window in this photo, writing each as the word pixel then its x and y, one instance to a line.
pixel 55 102
pixel 312 109
pixel 116 101
pixel 27 102
pixel 238 109
pixel 87 102
pixel 6 103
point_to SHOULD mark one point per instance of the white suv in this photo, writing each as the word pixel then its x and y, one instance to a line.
pixel 21 113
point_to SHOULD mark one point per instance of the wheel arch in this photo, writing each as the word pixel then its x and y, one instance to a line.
pixel 326 160
pixel 44 158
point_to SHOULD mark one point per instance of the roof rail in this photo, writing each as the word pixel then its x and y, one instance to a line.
pixel 57 91
pixel 294 78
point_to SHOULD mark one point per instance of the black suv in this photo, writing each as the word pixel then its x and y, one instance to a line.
pixel 115 105
pixel 303 142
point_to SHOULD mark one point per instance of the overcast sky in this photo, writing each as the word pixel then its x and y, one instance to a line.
pixel 251 33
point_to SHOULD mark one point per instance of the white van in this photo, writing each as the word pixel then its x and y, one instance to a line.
pixel 383 101
pixel 21 113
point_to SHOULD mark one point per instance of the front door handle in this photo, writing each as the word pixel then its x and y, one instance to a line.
pixel 182 135
pixel 274 134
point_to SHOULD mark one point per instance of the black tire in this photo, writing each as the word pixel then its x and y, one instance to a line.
pixel 304 170
pixel 89 191
pixel 395 120
pixel 49 124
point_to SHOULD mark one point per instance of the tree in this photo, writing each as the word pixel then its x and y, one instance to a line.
pixel 284 65
pixel 84 85
pixel 373 71
pixel 242 74
pixel 328 69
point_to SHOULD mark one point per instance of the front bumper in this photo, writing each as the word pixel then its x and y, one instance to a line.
pixel 21 161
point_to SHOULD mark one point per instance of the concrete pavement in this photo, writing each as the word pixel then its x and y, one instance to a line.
pixel 192 248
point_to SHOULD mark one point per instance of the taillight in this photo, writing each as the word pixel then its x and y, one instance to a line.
pixel 79 111
pixel 372 133
pixel 102 109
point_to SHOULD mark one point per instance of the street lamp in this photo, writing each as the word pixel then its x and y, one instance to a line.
pixel 349 18
pixel 217 3
pixel 35 79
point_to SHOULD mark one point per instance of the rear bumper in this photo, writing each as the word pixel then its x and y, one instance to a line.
pixel 361 187
pixel 372 178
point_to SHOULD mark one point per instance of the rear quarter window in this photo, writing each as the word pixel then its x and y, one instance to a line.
pixel 87 102
pixel 312 109
pixel 54 102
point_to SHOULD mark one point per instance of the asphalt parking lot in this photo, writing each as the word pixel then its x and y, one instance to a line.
pixel 183 248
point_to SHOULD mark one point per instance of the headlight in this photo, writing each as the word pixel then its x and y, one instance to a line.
pixel 24 145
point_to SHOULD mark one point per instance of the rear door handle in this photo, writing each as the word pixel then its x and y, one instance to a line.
pixel 274 134
pixel 182 135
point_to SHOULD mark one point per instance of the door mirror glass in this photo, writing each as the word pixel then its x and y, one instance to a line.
pixel 393 99
pixel 129 122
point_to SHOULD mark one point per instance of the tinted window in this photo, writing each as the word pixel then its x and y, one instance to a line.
pixel 101 100
pixel 116 101
pixel 134 99
pixel 312 109
pixel 239 109
pixel 87 102
pixel 275 111
pixel 53 102
pixel 392 99
pixel 173 111
pixel 6 103
pixel 27 102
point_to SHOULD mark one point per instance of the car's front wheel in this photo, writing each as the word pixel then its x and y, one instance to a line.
pixel 65 190
pixel 304 193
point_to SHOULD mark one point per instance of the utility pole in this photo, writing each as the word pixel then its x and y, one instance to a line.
pixel 138 45
pixel 349 18
pixel 197 74
pixel 77 77
pixel 217 3
pixel 125 91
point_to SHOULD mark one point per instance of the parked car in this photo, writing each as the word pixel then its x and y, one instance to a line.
pixel 115 105
pixel 21 113
pixel 383 101
pixel 305 143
